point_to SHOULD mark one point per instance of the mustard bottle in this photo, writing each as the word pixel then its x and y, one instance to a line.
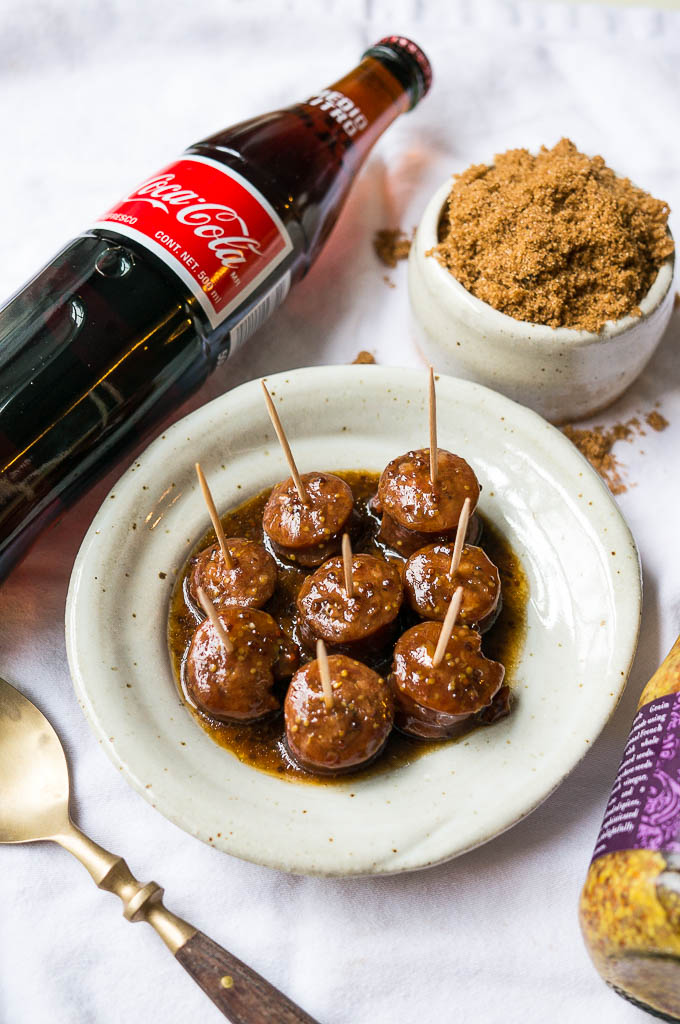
pixel 630 904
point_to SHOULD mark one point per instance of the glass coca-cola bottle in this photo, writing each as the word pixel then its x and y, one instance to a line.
pixel 136 312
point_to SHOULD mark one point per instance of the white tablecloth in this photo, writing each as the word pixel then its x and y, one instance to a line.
pixel 93 98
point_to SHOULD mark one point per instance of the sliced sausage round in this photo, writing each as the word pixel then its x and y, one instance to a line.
pixel 250 582
pixel 308 534
pixel 354 624
pixel 409 502
pixel 432 702
pixel 237 685
pixel 430 585
pixel 332 741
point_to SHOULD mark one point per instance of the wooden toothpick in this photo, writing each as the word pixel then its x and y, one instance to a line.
pixel 447 626
pixel 283 441
pixel 325 673
pixel 463 520
pixel 347 564
pixel 214 518
pixel 433 431
pixel 210 610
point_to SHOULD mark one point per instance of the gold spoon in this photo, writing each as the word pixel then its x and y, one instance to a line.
pixel 34 798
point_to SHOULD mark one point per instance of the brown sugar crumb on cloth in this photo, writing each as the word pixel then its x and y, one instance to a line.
pixel 596 444
pixel 364 357
pixel 656 421
pixel 555 238
pixel 391 245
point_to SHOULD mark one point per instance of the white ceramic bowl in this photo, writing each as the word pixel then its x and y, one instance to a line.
pixel 561 373
pixel 582 621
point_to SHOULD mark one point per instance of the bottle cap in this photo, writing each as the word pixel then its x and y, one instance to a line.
pixel 407 62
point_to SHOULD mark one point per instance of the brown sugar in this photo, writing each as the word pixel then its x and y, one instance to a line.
pixel 655 420
pixel 391 245
pixel 555 238
pixel 364 357
pixel 596 444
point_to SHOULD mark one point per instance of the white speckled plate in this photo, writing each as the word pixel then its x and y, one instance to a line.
pixel 582 621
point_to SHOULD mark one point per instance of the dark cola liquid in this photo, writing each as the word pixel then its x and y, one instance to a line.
pixel 107 339
pixel 88 349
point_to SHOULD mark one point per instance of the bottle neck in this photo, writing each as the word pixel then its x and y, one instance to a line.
pixel 303 158
pixel 361 105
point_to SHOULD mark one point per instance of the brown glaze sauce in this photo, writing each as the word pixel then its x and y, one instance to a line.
pixel 262 745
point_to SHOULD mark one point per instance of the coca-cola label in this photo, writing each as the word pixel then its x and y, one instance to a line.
pixel 210 225
pixel 643 812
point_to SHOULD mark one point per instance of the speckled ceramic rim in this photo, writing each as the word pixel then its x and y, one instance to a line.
pixel 582 622
pixel 537 334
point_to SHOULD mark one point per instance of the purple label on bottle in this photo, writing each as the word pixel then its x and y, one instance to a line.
pixel 644 807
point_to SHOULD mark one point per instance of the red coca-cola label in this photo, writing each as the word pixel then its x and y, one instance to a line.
pixel 207 222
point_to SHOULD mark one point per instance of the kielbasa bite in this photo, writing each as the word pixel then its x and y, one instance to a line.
pixel 415 512
pixel 363 622
pixel 429 584
pixel 331 741
pixel 250 582
pixel 308 533
pixel 431 702
pixel 237 684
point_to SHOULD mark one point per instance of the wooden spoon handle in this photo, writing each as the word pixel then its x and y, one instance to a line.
pixel 243 996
